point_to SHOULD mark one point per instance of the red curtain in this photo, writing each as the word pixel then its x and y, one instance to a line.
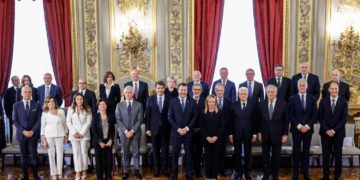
pixel 268 16
pixel 58 24
pixel 7 20
pixel 208 19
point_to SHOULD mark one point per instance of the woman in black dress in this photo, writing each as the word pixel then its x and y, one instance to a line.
pixel 171 90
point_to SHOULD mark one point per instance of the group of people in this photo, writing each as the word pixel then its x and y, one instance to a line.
pixel 187 116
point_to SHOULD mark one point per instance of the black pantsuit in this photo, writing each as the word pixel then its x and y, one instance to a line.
pixel 332 145
pixel 247 156
pixel 103 158
pixel 211 157
pixel 160 143
pixel 301 154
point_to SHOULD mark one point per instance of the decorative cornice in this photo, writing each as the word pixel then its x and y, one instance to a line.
pixel 304 34
pixel 286 32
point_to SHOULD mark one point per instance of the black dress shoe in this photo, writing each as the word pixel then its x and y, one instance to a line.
pixel 337 178
pixel 325 178
pixel 174 177
pixel 198 175
pixel 237 175
pixel 165 173
pixel 138 174
pixel 125 176
pixel 275 178
pixel 265 177
pixel 157 174
pixel 248 177
pixel 307 177
pixel 37 177
pixel 189 177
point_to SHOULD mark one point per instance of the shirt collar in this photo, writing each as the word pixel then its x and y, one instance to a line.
pixel 302 94
pixel 182 98
pixel 131 101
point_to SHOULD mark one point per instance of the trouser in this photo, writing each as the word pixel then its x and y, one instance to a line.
pixel 56 146
pixel 80 154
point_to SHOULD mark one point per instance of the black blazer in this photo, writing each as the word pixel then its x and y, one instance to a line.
pixel 258 91
pixel 313 85
pixel 243 122
pixel 179 119
pixel 226 112
pixel 212 124
pixel 90 99
pixel 298 115
pixel 200 108
pixel 284 92
pixel 336 120
pixel 344 90
pixel 205 89
pixel 156 121
pixel 9 100
pixel 273 129
pixel 173 93
pixel 96 129
pixel 113 99
pixel 143 92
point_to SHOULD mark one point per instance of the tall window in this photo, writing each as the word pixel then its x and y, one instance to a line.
pixel 31 53
pixel 237 49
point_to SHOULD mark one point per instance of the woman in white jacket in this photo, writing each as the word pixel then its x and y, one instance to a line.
pixel 53 134
pixel 78 120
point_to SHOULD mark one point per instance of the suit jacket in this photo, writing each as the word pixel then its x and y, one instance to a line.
pixel 200 105
pixel 226 112
pixel 212 124
pixel 298 115
pixel 173 93
pixel 258 91
pixel 205 89
pixel 132 122
pixel 243 122
pixel 284 91
pixel 156 121
pixel 34 94
pixel 143 92
pixel 179 119
pixel 273 129
pixel 54 91
pixel 313 85
pixel 97 132
pixel 336 120
pixel 52 125
pixel 113 98
pixel 344 90
pixel 90 99
pixel 78 123
pixel 230 91
pixel 28 122
pixel 9 100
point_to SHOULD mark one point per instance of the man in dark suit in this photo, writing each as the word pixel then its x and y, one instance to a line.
pixel 273 130
pixel 197 142
pixel 312 81
pixel 302 113
pixel 243 132
pixel 90 97
pixel 182 117
pixel 141 90
pixel 344 89
pixel 2 127
pixel 129 116
pixel 49 89
pixel 26 116
pixel 333 114
pixel 158 128
pixel 196 79
pixel 282 83
pixel 230 91
pixel 256 89
pixel 11 96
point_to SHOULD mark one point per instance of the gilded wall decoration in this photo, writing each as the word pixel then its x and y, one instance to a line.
pixel 91 43
pixel 286 33
pixel 74 43
pixel 176 29
pixel 304 43
pixel 126 6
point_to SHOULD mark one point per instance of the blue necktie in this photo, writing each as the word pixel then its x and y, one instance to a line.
pixel 129 108
pixel 250 90
pixel 303 102
pixel 160 104
pixel 220 104
pixel 333 106
pixel 183 104
pixel 27 109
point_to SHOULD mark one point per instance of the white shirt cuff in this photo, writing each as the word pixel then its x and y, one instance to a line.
pixel 307 126
pixel 187 128
pixel 126 131
pixel 299 126
pixel 333 131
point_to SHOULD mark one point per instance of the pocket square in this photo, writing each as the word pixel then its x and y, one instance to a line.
pixel 34 110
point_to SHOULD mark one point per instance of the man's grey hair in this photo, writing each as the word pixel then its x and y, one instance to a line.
pixel 197 85
pixel 25 87
pixel 302 80
pixel 219 85
pixel 271 86
pixel 128 88
pixel 243 89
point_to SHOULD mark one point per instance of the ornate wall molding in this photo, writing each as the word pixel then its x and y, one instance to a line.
pixel 75 43
pixel 191 35
pixel 286 33
pixel 91 50
pixel 304 34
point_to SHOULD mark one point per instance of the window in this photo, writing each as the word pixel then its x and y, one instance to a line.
pixel 237 48
pixel 31 53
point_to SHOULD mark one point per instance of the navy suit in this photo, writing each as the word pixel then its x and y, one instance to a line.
pixel 284 91
pixel 143 92
pixel 258 91
pixel 157 122
pixel 272 131
pixel 11 96
pixel 29 121
pixel 113 98
pixel 332 120
pixel 54 91
pixel 344 90
pixel 300 116
pixel 197 143
pixel 313 85
pixel 90 99
pixel 230 91
pixel 181 119
pixel 243 127
pixel 205 89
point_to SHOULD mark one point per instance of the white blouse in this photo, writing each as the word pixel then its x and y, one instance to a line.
pixel 53 125
pixel 78 123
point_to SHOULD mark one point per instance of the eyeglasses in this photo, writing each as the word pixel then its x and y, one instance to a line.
pixel 197 89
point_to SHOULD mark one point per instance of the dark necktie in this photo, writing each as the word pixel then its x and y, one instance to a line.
pixel 129 108
pixel 220 103
pixel 136 90
pixel 271 110
pixel 279 82
pixel 183 104
pixel 16 94
pixel 303 102
pixel 305 77
pixel 160 103
pixel 250 90
pixel 333 106
pixel 243 106
pixel 27 108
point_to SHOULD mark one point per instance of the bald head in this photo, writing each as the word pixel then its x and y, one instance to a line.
pixel 82 84
pixel 335 75
pixel 305 68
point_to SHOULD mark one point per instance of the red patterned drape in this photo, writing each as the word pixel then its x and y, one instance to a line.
pixel 58 25
pixel 7 20
pixel 268 16
pixel 208 19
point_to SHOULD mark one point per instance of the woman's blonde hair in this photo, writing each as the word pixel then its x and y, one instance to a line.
pixel 206 103
pixel 46 102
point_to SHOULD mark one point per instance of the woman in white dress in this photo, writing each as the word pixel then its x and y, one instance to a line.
pixel 78 121
pixel 54 135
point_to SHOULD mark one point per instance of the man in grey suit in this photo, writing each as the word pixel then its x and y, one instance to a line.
pixel 129 116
